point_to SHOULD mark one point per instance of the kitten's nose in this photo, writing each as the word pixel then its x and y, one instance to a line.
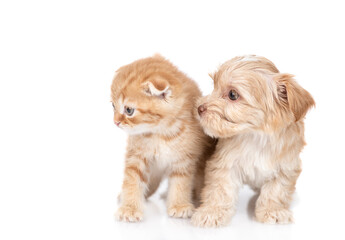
pixel 201 109
pixel 117 123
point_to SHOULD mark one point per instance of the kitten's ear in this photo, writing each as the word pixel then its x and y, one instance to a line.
pixel 158 56
pixel 292 96
pixel 157 87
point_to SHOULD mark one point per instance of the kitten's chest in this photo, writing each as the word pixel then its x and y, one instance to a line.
pixel 165 153
pixel 161 152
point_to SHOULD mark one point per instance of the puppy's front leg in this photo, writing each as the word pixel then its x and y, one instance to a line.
pixel 219 195
pixel 275 196
pixel 179 200
pixel 133 189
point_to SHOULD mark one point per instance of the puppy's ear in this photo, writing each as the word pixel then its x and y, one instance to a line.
pixel 157 87
pixel 292 96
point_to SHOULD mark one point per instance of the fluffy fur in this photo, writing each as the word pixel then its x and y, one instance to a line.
pixel 261 135
pixel 165 138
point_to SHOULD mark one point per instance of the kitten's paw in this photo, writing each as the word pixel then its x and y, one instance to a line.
pixel 211 217
pixel 119 198
pixel 129 214
pixel 181 211
pixel 273 216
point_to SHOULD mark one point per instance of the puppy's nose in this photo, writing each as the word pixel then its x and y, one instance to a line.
pixel 201 109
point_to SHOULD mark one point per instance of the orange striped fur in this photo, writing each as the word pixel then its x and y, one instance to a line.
pixel 155 104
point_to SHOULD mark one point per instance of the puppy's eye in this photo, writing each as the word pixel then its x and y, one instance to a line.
pixel 129 111
pixel 233 95
pixel 113 106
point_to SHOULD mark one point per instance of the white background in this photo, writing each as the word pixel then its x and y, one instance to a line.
pixel 61 157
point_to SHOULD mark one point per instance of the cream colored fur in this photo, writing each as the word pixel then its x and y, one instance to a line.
pixel 261 135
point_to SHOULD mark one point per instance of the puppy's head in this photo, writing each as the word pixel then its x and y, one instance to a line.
pixel 251 95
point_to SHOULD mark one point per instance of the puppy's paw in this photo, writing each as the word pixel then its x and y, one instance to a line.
pixel 211 217
pixel 181 211
pixel 128 213
pixel 273 216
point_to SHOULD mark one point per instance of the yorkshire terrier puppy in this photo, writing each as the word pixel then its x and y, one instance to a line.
pixel 257 113
pixel 154 103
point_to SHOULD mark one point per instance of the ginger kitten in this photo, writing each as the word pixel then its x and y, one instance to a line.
pixel 257 113
pixel 154 103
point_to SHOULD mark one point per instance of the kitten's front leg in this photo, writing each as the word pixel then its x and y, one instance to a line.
pixel 179 199
pixel 133 189
pixel 219 196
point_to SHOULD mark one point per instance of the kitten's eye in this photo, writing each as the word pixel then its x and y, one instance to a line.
pixel 113 105
pixel 129 111
pixel 233 95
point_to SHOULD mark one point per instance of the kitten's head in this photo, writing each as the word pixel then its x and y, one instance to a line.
pixel 147 95
pixel 251 95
